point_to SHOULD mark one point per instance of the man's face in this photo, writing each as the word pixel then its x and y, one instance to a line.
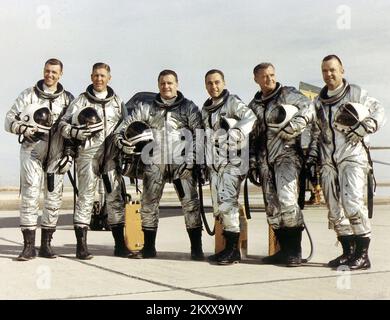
pixel 266 79
pixel 168 86
pixel 214 85
pixel 332 73
pixel 100 78
pixel 51 75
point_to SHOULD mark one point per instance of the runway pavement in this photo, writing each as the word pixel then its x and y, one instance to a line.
pixel 172 276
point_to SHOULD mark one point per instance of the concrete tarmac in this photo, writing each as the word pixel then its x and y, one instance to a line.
pixel 173 276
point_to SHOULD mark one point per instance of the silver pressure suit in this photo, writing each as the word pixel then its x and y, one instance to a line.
pixel 227 162
pixel 96 157
pixel 174 130
pixel 280 160
pixel 344 165
pixel 40 157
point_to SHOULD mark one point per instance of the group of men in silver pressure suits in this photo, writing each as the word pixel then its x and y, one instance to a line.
pixel 224 142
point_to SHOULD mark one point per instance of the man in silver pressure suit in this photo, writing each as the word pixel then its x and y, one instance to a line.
pixel 174 121
pixel 89 121
pixel 346 115
pixel 227 122
pixel 34 117
pixel 276 159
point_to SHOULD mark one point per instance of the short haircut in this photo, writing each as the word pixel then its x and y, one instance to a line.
pixel 262 66
pixel 332 56
pixel 54 62
pixel 215 71
pixel 167 72
pixel 101 65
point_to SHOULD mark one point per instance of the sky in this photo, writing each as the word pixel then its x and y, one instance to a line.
pixel 138 39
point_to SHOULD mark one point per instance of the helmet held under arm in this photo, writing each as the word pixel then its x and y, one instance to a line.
pixel 87 118
pixel 39 117
pixel 280 116
pixel 349 115
pixel 138 134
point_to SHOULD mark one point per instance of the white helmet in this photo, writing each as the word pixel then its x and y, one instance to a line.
pixel 229 134
pixel 87 118
pixel 138 134
pixel 39 116
pixel 348 115
pixel 281 115
pixel 227 123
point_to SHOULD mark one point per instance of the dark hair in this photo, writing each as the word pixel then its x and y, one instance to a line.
pixel 101 65
pixel 167 72
pixel 54 62
pixel 332 56
pixel 262 66
pixel 215 71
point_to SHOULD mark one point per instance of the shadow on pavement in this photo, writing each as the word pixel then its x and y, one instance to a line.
pixel 66 219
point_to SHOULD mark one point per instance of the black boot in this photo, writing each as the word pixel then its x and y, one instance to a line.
pixel 28 252
pixel 232 252
pixel 214 257
pixel 46 251
pixel 294 249
pixel 361 261
pixel 348 244
pixel 196 243
pixel 82 249
pixel 120 249
pixel 279 257
pixel 149 249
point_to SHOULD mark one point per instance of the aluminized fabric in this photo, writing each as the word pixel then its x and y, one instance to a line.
pixel 96 157
pixel 171 154
pixel 227 169
pixel 280 160
pixel 344 164
pixel 34 154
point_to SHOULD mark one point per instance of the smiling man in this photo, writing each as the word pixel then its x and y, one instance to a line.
pixel 89 121
pixel 282 114
pixel 333 73
pixel 228 122
pixel 342 150
pixel 174 121
pixel 33 117
pixel 168 86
